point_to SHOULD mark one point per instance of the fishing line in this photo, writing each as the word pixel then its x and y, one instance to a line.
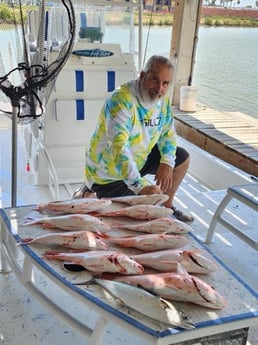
pixel 148 33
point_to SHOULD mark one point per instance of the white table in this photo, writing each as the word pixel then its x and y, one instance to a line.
pixel 36 273
pixel 246 194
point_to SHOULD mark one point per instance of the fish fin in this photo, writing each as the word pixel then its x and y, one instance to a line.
pixel 103 235
pixel 108 294
pixel 192 251
pixel 91 281
pixel 72 267
pixel 181 269
pixel 166 303
pixel 51 252
pixel 25 240
pixel 174 263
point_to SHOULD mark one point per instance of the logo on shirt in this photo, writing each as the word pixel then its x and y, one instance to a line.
pixel 151 122
pixel 135 184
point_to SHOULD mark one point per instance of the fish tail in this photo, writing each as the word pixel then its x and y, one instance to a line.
pixel 25 240
pixel 103 235
pixel 29 222
pixel 52 255
pixel 90 281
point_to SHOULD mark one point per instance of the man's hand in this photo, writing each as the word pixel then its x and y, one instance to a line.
pixel 151 189
pixel 164 177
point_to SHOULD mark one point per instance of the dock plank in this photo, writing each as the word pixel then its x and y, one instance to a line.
pixel 231 136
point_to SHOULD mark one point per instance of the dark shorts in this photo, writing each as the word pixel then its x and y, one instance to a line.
pixel 119 188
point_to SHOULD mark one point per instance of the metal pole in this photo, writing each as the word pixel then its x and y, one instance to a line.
pixel 140 36
pixel 14 157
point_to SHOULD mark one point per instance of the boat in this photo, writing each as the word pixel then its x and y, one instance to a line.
pixel 53 149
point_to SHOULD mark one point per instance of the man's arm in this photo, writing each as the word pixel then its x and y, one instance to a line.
pixel 119 121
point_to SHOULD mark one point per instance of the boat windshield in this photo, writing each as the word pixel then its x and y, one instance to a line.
pixel 110 22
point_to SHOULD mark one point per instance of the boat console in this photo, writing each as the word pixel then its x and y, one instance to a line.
pixel 56 142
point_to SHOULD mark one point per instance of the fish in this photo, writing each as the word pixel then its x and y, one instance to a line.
pixel 99 261
pixel 82 205
pixel 152 199
pixel 164 261
pixel 146 303
pixel 70 222
pixel 149 242
pixel 139 212
pixel 158 226
pixel 178 286
pixel 83 240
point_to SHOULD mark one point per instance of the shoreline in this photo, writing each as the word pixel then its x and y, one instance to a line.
pixel 166 19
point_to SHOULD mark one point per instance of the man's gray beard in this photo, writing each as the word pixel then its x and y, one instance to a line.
pixel 150 102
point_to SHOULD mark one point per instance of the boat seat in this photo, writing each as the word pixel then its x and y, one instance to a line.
pixel 246 194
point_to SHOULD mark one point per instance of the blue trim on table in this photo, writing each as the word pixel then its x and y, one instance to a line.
pixel 233 273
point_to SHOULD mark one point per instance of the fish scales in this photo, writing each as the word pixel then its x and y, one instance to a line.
pixel 71 222
pixel 166 260
pixel 83 205
pixel 86 240
pixel 150 242
pixel 152 199
pixel 146 303
pixel 158 226
pixel 139 212
pixel 178 287
pixel 100 261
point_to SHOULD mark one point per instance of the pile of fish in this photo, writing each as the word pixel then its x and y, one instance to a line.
pixel 85 227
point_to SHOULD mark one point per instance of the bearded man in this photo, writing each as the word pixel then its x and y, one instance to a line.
pixel 134 137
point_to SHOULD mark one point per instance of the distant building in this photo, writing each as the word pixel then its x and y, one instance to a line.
pixel 158 5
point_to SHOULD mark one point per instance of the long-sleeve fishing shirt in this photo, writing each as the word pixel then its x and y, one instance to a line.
pixel 126 132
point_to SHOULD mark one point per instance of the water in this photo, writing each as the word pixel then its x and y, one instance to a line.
pixel 225 69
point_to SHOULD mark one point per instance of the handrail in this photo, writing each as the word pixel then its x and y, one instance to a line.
pixel 53 184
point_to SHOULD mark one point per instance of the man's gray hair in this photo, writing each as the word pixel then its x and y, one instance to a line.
pixel 157 59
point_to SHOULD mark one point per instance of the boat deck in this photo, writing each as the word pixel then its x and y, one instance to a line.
pixel 230 136
pixel 25 321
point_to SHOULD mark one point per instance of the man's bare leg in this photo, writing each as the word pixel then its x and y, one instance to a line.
pixel 178 175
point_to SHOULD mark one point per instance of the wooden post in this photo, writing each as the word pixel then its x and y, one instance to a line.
pixel 183 44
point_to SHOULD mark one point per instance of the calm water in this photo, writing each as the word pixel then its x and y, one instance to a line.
pixel 226 66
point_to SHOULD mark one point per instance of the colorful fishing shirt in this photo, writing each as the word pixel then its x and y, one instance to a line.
pixel 126 132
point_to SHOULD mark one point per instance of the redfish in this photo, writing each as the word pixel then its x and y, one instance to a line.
pixel 158 226
pixel 84 240
pixel 139 212
pixel 150 242
pixel 100 261
pixel 83 205
pixel 166 260
pixel 71 222
pixel 178 286
pixel 152 199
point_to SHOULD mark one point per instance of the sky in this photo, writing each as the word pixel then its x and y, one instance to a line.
pixel 243 3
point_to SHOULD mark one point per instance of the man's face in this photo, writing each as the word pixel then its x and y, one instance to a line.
pixel 154 84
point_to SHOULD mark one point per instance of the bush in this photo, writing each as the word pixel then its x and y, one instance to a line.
pixel 209 21
pixel 6 13
pixel 219 22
